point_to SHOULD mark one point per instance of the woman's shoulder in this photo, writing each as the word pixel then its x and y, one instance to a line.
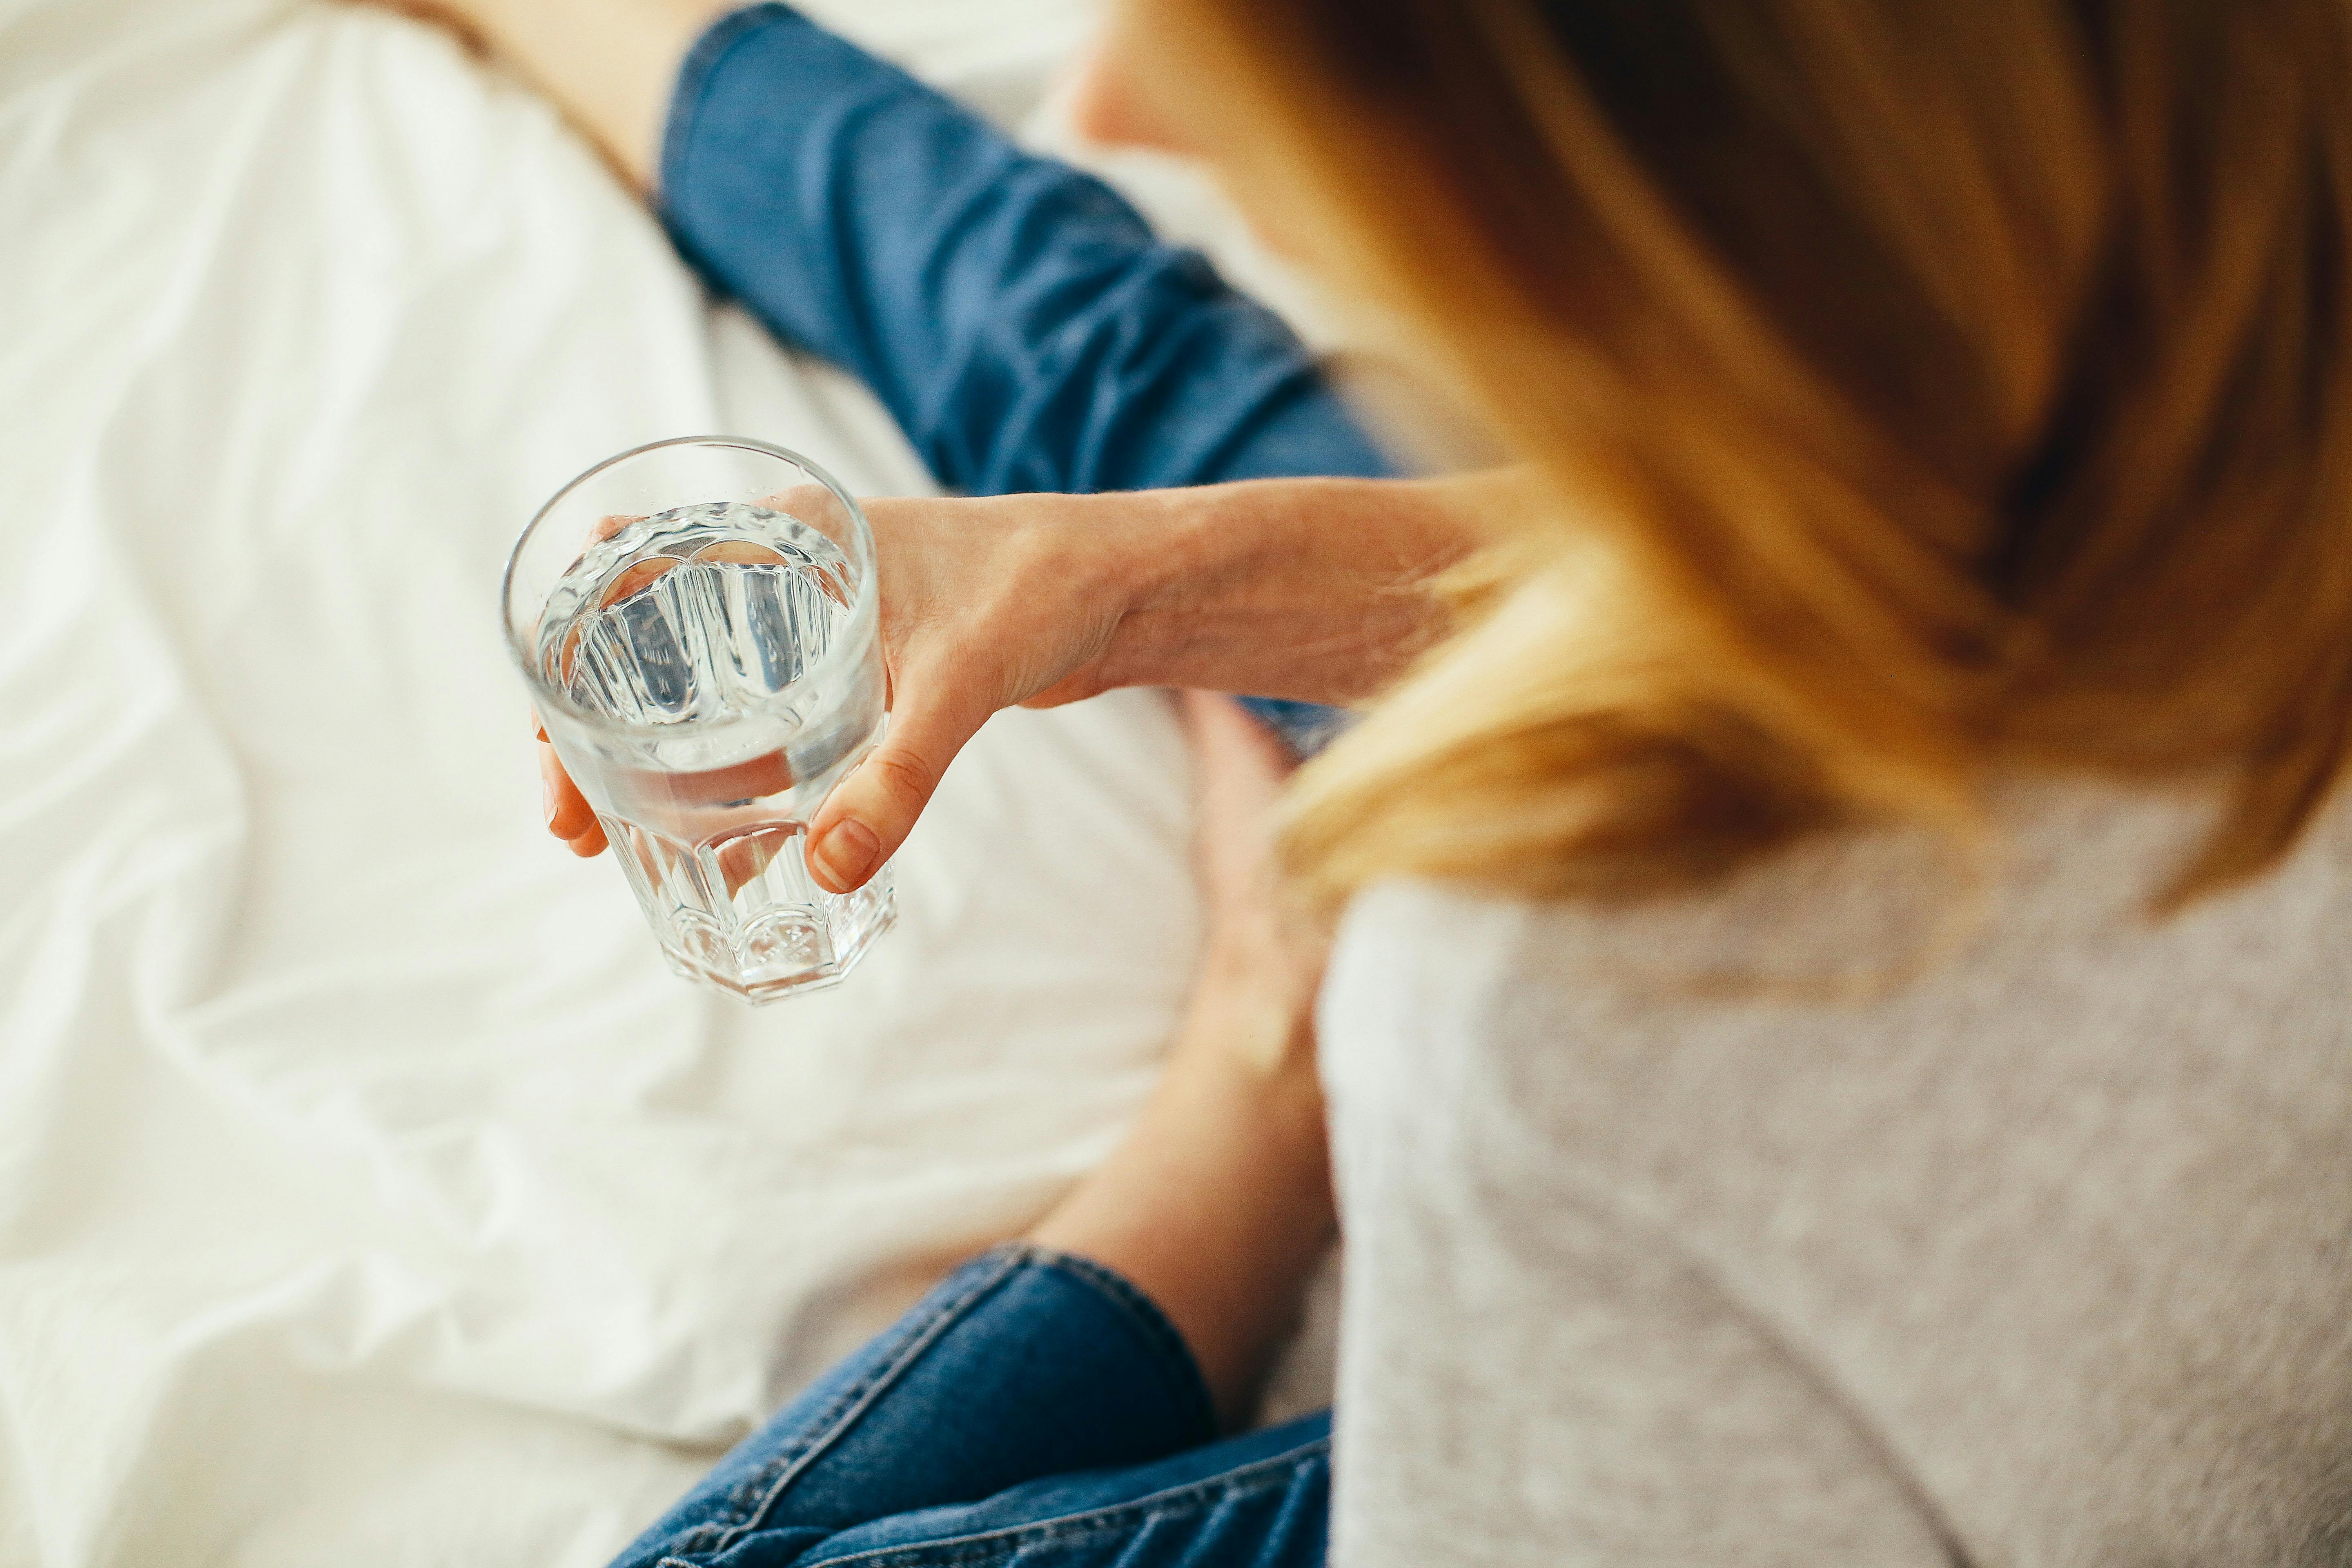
pixel 1868 981
pixel 2070 871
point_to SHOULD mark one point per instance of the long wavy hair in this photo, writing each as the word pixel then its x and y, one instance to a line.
pixel 1911 393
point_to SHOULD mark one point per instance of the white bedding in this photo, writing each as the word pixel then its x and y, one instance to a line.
pixel 369 1192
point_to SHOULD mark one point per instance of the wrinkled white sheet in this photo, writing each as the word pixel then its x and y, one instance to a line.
pixel 369 1192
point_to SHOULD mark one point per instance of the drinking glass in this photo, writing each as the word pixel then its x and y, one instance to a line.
pixel 698 622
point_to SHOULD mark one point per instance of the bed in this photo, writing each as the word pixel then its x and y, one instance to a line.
pixel 369 1194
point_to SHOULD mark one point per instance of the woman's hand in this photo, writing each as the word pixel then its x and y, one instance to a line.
pixel 1313 589
pixel 1252 1003
pixel 985 604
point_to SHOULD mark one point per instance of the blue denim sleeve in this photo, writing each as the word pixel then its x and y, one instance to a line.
pixel 1016 316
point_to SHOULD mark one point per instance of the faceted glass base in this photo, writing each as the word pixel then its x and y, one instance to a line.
pixel 743 914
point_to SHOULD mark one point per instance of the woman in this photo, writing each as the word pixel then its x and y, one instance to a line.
pixel 1835 1044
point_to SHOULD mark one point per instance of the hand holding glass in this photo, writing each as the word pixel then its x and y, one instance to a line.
pixel 698 621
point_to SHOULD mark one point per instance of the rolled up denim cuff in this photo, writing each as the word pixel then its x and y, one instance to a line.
pixel 687 94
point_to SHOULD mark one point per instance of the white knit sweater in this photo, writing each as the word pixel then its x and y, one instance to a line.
pixel 2041 1257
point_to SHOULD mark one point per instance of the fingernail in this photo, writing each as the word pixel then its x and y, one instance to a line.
pixel 547 799
pixel 847 852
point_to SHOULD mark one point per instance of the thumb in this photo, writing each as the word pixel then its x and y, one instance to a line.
pixel 869 813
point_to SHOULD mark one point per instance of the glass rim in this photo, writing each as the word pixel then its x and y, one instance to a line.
pixel 863 611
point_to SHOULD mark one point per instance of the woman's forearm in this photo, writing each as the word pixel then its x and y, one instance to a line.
pixel 1319 589
pixel 1316 589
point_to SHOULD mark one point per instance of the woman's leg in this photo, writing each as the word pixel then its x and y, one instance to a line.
pixel 1019 1367
pixel 1258 1501
pixel 1034 1398
pixel 1017 317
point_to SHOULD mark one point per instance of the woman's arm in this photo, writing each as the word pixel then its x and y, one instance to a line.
pixel 1029 334
pixel 1217 1202
pixel 1314 589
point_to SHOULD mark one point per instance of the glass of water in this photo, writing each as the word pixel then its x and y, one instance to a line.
pixel 699 624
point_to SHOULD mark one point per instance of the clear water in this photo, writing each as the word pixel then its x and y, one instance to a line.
pixel 692 627
pixel 703 613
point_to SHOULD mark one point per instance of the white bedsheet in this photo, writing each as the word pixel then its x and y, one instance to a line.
pixel 369 1192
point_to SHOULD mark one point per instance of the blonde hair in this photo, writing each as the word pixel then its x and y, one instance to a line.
pixel 1909 392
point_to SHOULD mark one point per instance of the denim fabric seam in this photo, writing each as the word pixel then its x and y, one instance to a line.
pixel 756 1497
pixel 690 88
pixel 995 1545
pixel 1144 1314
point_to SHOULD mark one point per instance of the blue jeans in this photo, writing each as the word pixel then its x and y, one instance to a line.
pixel 1028 333
pixel 1034 1409
pixel 1016 317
